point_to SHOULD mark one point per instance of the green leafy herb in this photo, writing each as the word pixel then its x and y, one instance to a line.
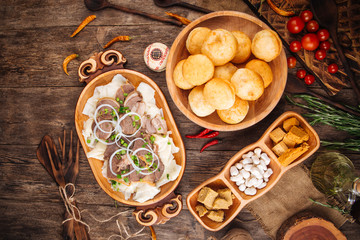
pixel 169 143
pixel 118 176
pixel 152 139
pixel 136 117
pixel 125 94
pixel 113 183
pixel 121 101
pixel 118 99
pixel 106 110
pixel 159 128
pixel 126 180
pixel 167 176
pixel 88 141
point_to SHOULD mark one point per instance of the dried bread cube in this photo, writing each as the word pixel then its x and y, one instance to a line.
pixel 220 203
pixel 280 148
pixel 289 140
pixel 292 154
pixel 226 194
pixel 207 196
pixel 201 210
pixel 297 135
pixel 277 135
pixel 216 216
pixel 288 123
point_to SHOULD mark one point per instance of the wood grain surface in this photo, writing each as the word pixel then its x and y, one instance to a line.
pixel 38 98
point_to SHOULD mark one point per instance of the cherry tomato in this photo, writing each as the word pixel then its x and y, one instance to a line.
pixel 301 73
pixel 295 46
pixel 312 26
pixel 309 79
pixel 333 68
pixel 295 25
pixel 291 61
pixel 323 34
pixel 325 45
pixel 310 41
pixel 306 15
pixel 320 54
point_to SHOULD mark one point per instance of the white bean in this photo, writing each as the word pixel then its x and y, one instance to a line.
pixel 263 164
pixel 239 166
pixel 247 161
pixel 260 168
pixel 266 179
pixel 257 151
pixel 234 171
pixel 247 155
pixel 245 173
pixel 262 185
pixel 250 191
pixel 239 182
pixel 255 171
pixel 237 177
pixel 247 167
pixel 259 181
pixel 268 173
pixel 256 159
pixel 242 187
pixel 265 157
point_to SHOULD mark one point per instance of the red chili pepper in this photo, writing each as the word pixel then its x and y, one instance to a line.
pixel 211 143
pixel 202 133
pixel 211 135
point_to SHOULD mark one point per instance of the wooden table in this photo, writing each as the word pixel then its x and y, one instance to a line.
pixel 37 98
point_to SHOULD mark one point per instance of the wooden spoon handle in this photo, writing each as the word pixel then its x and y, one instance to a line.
pixel 194 7
pixel 148 15
pixel 345 63
pixel 338 105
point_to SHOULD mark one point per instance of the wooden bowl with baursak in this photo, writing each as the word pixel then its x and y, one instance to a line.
pixel 226 71
pixel 130 138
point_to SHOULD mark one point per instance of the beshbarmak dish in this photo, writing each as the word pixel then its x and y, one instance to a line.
pixel 127 131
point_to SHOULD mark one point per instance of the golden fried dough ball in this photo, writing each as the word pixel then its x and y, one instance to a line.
pixel 178 77
pixel 196 39
pixel 220 46
pixel 248 84
pixel 266 45
pixel 263 69
pixel 198 104
pixel 236 113
pixel 198 69
pixel 219 93
pixel 243 50
pixel 225 71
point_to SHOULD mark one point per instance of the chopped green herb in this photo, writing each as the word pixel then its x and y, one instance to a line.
pixel 113 182
pixel 126 180
pixel 88 141
pixel 162 118
pixel 96 140
pixel 125 94
pixel 123 152
pixel 136 117
pixel 118 99
pixel 127 111
pixel 125 144
pixel 107 140
pixel 142 133
pixel 122 141
pixel 113 137
pixel 106 110
pixel 167 176
pixel 159 128
pixel 144 145
pixel 138 126
pixel 134 123
pixel 169 143
pixel 121 101
pixel 118 176
pixel 141 179
pixel 152 139
pixel 113 113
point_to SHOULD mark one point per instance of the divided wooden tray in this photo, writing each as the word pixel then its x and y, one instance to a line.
pixel 222 180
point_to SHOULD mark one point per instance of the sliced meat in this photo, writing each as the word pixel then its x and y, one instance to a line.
pixel 106 130
pixel 126 88
pixel 118 165
pixel 159 124
pixel 110 149
pixel 159 172
pixel 149 128
pixel 106 113
pixel 127 125
pixel 139 108
pixel 132 99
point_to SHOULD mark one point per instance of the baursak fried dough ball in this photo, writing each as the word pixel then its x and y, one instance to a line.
pixel 198 103
pixel 220 46
pixel 196 38
pixel 243 50
pixel 178 77
pixel 219 93
pixel 236 113
pixel 263 69
pixel 248 84
pixel 225 71
pixel 266 45
pixel 198 69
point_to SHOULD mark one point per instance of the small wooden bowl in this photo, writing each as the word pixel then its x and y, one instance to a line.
pixel 260 108
pixel 222 180
pixel 96 72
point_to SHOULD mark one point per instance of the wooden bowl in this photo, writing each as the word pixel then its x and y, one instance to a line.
pixel 222 180
pixel 260 108
pixel 102 75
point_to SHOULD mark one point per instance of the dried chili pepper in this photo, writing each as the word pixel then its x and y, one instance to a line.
pixel 86 21
pixel 209 144
pixel 202 133
pixel 67 60
pixel 183 20
pixel 278 10
pixel 153 234
pixel 117 39
pixel 210 135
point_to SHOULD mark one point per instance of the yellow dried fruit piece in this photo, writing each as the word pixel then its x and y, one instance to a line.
pixel 277 135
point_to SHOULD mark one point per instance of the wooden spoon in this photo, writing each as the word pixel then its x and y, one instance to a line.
pixel 169 3
pixel 296 86
pixel 95 5
pixel 325 12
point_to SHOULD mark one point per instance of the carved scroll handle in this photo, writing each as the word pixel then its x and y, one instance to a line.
pixel 100 63
pixel 160 213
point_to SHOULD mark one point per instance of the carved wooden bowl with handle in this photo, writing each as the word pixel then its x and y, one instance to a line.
pixel 97 71
pixel 259 109
pixel 222 180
